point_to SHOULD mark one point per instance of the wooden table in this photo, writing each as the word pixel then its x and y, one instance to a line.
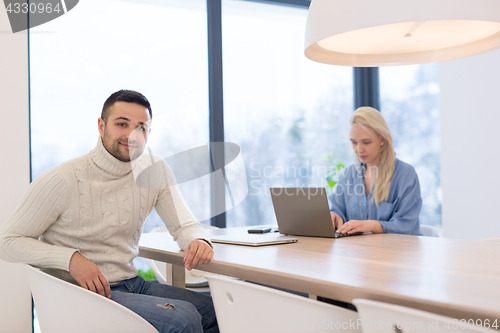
pixel 457 278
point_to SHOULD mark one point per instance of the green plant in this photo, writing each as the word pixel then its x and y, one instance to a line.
pixel 149 275
pixel 333 174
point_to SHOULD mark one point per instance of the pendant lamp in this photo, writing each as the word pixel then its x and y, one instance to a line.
pixel 372 33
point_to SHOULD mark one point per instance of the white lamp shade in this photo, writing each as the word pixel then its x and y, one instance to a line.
pixel 372 33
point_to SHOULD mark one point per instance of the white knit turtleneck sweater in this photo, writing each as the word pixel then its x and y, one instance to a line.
pixel 94 205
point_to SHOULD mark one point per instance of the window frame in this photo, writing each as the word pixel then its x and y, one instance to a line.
pixel 365 83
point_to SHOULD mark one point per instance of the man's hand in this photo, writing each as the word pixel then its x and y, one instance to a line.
pixel 336 220
pixel 88 275
pixel 197 253
pixel 361 226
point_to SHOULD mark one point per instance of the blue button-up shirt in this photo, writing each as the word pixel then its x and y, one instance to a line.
pixel 398 215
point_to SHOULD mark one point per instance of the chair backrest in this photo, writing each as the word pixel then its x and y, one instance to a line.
pixel 246 307
pixel 430 231
pixel 379 317
pixel 63 307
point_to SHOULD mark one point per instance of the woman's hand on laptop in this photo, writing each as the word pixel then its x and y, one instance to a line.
pixel 336 220
pixel 353 226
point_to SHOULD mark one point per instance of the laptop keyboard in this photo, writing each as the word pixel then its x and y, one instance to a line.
pixel 347 235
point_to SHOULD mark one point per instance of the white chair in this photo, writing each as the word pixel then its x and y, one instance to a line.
pixel 379 317
pixel 246 307
pixel 430 231
pixel 194 278
pixel 64 307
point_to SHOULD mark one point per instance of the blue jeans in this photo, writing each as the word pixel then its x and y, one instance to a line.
pixel 168 309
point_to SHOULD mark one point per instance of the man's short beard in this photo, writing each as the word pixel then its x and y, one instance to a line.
pixel 114 149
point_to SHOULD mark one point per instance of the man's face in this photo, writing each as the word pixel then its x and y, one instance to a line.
pixel 125 132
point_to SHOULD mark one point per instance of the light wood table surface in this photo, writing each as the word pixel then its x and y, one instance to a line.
pixel 457 278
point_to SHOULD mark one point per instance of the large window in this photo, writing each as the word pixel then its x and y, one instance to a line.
pixel 286 112
pixel 101 46
pixel 410 104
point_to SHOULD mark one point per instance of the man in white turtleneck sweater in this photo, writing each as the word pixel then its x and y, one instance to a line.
pixel 81 221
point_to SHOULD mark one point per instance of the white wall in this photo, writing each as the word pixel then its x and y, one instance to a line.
pixel 470 151
pixel 15 300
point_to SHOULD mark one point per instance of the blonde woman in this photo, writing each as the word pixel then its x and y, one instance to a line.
pixel 379 193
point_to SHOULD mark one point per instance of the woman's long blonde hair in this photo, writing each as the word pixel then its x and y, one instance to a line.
pixel 369 117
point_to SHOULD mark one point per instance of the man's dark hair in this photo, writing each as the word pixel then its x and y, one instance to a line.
pixel 128 96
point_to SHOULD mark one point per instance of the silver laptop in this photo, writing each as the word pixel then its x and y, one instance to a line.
pixel 303 211
pixel 253 239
